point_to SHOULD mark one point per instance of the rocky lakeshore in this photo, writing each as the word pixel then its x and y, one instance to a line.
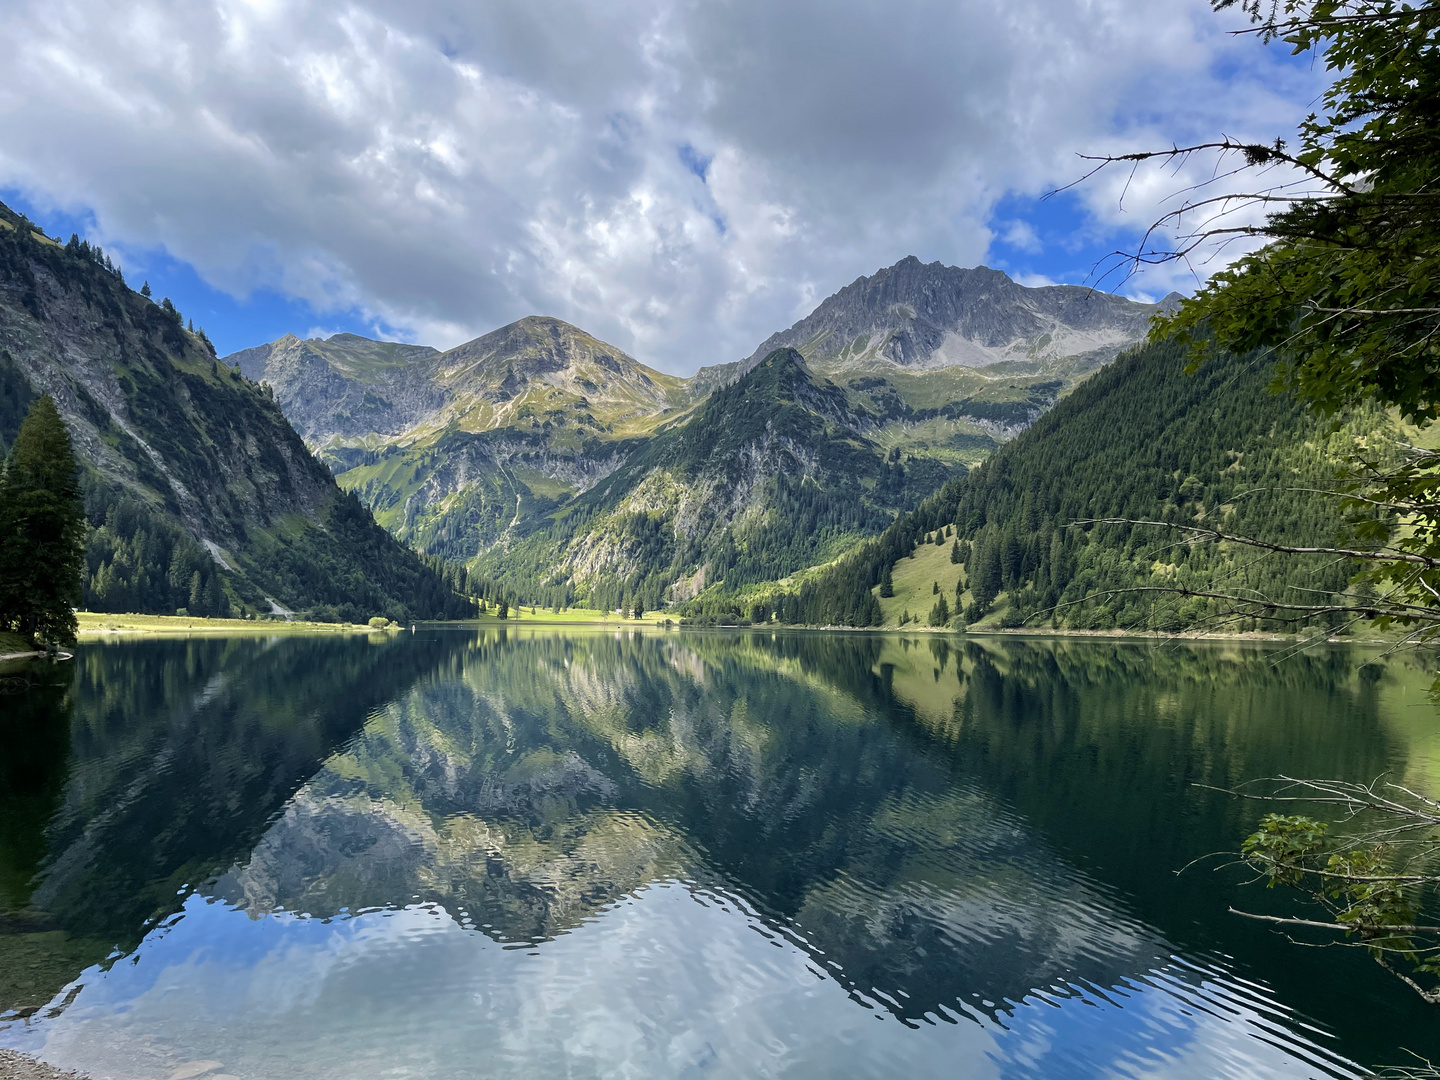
pixel 17 1066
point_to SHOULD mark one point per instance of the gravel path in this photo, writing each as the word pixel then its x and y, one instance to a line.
pixel 15 1066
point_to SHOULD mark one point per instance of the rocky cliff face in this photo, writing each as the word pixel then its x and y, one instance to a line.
pixel 174 443
pixel 146 405
pixel 344 385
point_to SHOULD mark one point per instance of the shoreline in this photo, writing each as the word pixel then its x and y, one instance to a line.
pixel 17 1066
pixel 99 627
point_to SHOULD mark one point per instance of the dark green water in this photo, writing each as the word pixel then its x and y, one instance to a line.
pixel 740 854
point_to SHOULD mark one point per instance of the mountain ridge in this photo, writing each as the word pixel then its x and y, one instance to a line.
pixel 198 491
pixel 926 316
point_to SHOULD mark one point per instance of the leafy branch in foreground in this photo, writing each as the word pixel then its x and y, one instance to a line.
pixel 1371 879
pixel 1344 290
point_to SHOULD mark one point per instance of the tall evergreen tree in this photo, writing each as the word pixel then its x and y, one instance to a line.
pixel 986 579
pixel 42 530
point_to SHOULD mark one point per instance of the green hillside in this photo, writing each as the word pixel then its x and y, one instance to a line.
pixel 199 493
pixel 771 474
pixel 1140 440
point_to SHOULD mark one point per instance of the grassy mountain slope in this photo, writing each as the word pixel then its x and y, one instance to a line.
pixel 199 492
pixel 769 475
pixel 1140 440
pixel 455 451
pixel 541 369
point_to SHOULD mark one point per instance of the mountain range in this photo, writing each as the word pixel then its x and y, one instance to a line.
pixel 925 425
pixel 571 471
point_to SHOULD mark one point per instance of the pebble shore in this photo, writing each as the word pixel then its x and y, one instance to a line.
pixel 14 1066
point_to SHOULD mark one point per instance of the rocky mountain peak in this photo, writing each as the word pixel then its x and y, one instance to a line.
pixel 926 316
pixel 344 385
pixel 545 357
pixel 536 346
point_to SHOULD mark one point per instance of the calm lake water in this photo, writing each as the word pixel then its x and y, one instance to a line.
pixel 733 854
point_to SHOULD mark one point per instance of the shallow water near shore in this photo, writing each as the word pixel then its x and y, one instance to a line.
pixel 532 853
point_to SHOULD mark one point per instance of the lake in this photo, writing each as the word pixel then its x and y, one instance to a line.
pixel 530 853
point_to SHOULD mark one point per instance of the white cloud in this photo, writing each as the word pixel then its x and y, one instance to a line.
pixel 447 167
pixel 1022 236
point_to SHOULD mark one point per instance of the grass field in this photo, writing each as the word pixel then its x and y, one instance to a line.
pixel 914 579
pixel 96 624
pixel 540 616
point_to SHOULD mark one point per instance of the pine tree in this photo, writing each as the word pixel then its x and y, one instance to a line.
pixel 985 579
pixel 887 586
pixel 940 613
pixel 955 553
pixel 145 290
pixel 42 530
pixel 217 604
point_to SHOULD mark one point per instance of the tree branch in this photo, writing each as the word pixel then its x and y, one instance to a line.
pixel 1375 555
pixel 1286 920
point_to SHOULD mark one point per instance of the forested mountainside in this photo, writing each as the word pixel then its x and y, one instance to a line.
pixel 1140 440
pixel 769 476
pixel 198 492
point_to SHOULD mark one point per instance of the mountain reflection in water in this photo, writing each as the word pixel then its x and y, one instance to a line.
pixel 528 853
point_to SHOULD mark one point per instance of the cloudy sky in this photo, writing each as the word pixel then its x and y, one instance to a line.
pixel 678 177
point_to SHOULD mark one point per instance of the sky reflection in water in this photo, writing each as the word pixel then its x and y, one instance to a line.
pixel 683 855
